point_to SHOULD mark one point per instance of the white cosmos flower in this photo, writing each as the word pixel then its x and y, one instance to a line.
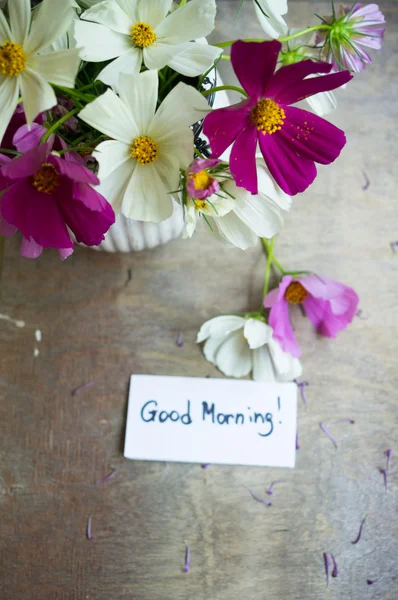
pixel 23 70
pixel 136 32
pixel 238 346
pixel 269 13
pixel 140 166
pixel 251 216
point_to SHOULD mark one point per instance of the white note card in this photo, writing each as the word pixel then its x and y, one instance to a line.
pixel 222 421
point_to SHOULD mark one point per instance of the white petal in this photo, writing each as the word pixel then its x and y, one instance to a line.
pixel 262 365
pixel 111 15
pixel 286 367
pixel 270 189
pixel 140 94
pixel 220 326
pixel 236 232
pixel 5 31
pixel 218 206
pixel 159 54
pixel 37 95
pixel 53 20
pixel 111 155
pixel 233 357
pixel 273 25
pixel 129 63
pixel 323 103
pixel 98 43
pixel 153 11
pixel 168 168
pixel 190 221
pixel 113 187
pixel 257 333
pixel 129 7
pixel 9 92
pixel 211 347
pixel 176 142
pixel 146 198
pixel 194 59
pixel 111 116
pixel 193 20
pixel 20 19
pixel 260 215
pixel 60 68
pixel 183 107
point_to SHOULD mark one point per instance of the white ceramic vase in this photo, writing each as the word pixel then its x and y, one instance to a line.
pixel 128 235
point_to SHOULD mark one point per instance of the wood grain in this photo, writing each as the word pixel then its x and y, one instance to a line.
pixel 53 445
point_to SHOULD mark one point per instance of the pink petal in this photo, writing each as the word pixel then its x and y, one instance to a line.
pixel 279 320
pixel 26 165
pixel 92 199
pixel 201 164
pixel 334 315
pixel 289 76
pixel 4 159
pixel 65 252
pixel 243 160
pixel 30 249
pixel 254 64
pixel 36 215
pixel 292 173
pixel 278 293
pixel 311 136
pixel 308 87
pixel 5 228
pixel 74 171
pixel 222 126
pixel 25 140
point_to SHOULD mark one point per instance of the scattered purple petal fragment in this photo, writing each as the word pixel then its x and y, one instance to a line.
pixel 270 490
pixel 180 342
pixel 297 442
pixel 394 245
pixel 82 387
pixel 326 561
pixel 343 421
pixel 359 314
pixel 328 434
pixel 335 571
pixel 89 536
pixel 256 498
pixel 367 181
pixel 301 386
pixel 372 581
pixel 359 532
pixel 206 465
pixel 388 454
pixel 385 477
pixel 111 475
pixel 187 565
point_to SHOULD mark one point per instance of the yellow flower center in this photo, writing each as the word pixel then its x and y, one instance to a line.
pixel 12 59
pixel 296 293
pixel 201 180
pixel 200 204
pixel 46 180
pixel 143 35
pixel 267 116
pixel 145 150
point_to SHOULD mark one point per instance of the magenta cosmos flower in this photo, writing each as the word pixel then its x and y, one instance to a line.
pixel 44 195
pixel 291 140
pixel 200 184
pixel 353 30
pixel 330 306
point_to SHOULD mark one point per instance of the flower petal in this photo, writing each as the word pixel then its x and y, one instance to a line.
pixel 260 214
pixel 130 7
pixel 128 63
pixel 192 21
pixel 111 116
pixel 311 136
pixel 236 232
pixel 112 44
pixel 243 159
pixel 222 126
pixel 26 165
pixel 25 139
pixel 313 85
pixel 269 16
pixel 194 59
pixel 111 155
pixel 5 31
pixel 111 15
pixel 114 186
pixel 279 320
pixel 140 94
pixel 37 94
pixel 73 171
pixel 286 367
pixel 254 64
pixel 9 92
pixel 257 333
pixel 192 107
pixel 153 11
pixel 289 76
pixel 20 19
pixel 53 19
pixel 234 357
pixel 262 365
pixel 6 229
pixel 292 172
pixel 158 55
pixel 146 198
pixel 211 347
pixel 322 104
pixel 30 248
pixel 59 68
pixel 220 327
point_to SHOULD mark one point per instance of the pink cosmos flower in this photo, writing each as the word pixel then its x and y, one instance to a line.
pixel 44 195
pixel 291 140
pixel 200 184
pixel 352 31
pixel 329 304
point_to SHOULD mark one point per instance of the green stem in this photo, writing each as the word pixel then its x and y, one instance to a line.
pixel 75 94
pixel 10 151
pixel 221 88
pixel 58 124
pixel 275 262
pixel 303 32
pixel 270 258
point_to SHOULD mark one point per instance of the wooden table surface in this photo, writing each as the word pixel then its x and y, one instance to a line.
pixel 53 445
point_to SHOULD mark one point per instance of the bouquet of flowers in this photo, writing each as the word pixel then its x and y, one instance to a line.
pixel 106 108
